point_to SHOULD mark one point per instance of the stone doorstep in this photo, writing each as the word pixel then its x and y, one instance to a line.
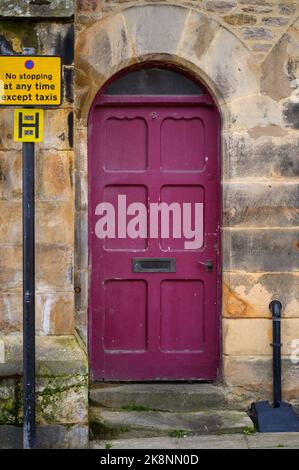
pixel 47 437
pixel 128 424
pixel 55 356
pixel 179 397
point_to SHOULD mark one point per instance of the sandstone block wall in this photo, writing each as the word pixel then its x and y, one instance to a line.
pixel 247 53
pixel 54 178
pixel 62 373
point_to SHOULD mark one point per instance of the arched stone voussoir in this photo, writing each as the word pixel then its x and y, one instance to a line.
pixel 99 51
pixel 231 66
pixel 214 54
pixel 222 56
pixel 280 69
pixel 254 113
pixel 103 45
pixel 156 28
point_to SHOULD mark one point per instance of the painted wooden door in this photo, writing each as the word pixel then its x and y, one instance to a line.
pixel 154 302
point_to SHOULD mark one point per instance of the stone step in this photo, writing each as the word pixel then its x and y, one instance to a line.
pixel 163 397
pixel 130 424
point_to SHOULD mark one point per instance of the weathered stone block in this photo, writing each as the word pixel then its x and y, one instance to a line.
pixel 257 32
pixel 261 47
pixel 255 2
pixel 290 113
pixel 199 31
pixel 98 49
pixel 18 35
pixel 54 267
pixel 47 437
pixel 11 311
pixel 55 222
pixel 275 82
pixel 6 130
pixel 4 175
pixel 38 8
pixel 263 250
pixel 255 111
pixel 258 8
pixel 62 400
pixel 252 204
pixel 249 337
pixel 10 266
pixel 55 175
pixel 239 19
pixel 81 190
pixel 10 222
pixel 287 8
pixel 230 66
pixel 255 374
pixel 59 401
pixel 88 5
pixel 80 141
pixel 275 21
pixel 8 406
pixel 248 295
pixel 261 154
pixel 57 356
pixel 220 5
pixel 57 39
pixel 55 313
pixel 56 130
pixel 15 174
pixel 147 30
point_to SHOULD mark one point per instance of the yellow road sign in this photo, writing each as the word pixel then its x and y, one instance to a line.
pixel 30 80
pixel 28 125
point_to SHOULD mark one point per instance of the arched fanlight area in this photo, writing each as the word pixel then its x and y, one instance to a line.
pixel 153 81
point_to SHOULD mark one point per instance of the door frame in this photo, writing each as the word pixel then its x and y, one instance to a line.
pixel 206 99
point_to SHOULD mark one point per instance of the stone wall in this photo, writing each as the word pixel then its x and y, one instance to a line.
pixel 247 53
pixel 62 373
pixel 258 23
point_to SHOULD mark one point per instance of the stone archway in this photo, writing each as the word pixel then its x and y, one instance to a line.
pixel 192 43
pixel 206 49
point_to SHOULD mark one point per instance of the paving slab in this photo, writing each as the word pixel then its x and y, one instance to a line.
pixel 226 441
pixel 282 440
pixel 237 441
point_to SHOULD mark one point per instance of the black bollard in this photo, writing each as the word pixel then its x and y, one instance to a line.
pixel 279 416
pixel 275 307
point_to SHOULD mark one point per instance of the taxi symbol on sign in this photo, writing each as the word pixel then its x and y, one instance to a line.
pixel 28 125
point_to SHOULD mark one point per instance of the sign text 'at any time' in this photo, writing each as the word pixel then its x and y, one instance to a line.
pixel 30 81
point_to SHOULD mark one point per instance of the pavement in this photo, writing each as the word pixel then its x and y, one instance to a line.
pixel 224 441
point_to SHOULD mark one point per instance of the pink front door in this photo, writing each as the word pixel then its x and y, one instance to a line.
pixel 154 302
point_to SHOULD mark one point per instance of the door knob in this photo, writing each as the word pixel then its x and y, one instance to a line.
pixel 208 264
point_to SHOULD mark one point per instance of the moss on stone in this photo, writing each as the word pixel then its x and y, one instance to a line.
pixel 51 394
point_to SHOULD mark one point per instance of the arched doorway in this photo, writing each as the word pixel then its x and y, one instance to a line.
pixel 154 218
